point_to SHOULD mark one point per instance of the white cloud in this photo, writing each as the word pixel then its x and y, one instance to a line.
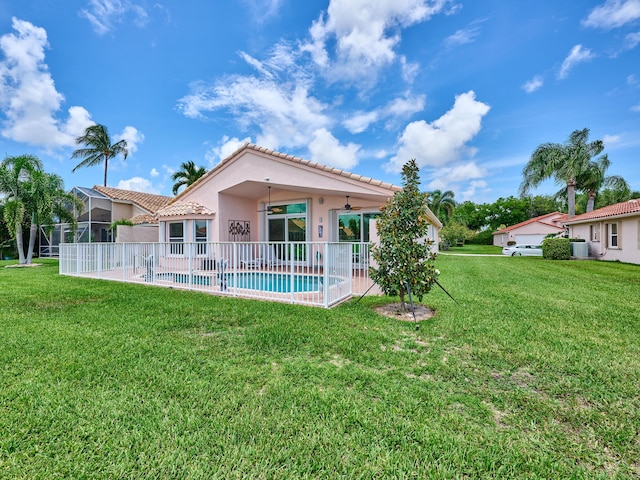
pixel 462 37
pixel 226 146
pixel 283 110
pixel 360 121
pixel 326 149
pixel 28 97
pixel 262 10
pixel 104 14
pixel 397 109
pixel 613 13
pixel 365 33
pixel 154 173
pixel 471 192
pixel 409 70
pixel 609 140
pixel 133 137
pixel 632 40
pixel 444 140
pixel 636 108
pixel 578 54
pixel 138 184
pixel 534 84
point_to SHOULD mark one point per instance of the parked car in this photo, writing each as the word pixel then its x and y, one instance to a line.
pixel 518 250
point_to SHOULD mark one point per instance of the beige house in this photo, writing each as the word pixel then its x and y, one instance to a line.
pixel 612 233
pixel 259 195
pixel 532 231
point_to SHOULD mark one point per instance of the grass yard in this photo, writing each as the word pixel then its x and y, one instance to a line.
pixel 534 374
pixel 470 248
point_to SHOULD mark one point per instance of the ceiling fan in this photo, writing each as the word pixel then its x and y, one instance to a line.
pixel 269 209
pixel 348 207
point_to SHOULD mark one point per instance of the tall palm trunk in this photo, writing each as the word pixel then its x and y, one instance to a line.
pixel 106 166
pixel 591 200
pixel 571 198
pixel 19 239
pixel 33 231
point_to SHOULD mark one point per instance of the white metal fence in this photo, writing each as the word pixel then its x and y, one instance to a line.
pixel 321 274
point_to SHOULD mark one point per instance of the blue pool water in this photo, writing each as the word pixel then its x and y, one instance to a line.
pixel 266 282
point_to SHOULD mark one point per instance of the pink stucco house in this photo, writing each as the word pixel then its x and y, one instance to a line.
pixel 532 231
pixel 612 233
pixel 260 195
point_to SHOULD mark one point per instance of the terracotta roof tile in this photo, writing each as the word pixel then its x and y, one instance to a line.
pixel 184 208
pixel 540 219
pixel 622 208
pixel 144 218
pixel 148 201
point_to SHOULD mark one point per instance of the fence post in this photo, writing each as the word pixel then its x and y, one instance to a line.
pixel 325 275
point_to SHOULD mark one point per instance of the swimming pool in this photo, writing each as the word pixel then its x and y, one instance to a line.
pixel 262 281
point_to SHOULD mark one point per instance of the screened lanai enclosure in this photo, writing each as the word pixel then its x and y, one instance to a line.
pixel 93 224
pixel 310 273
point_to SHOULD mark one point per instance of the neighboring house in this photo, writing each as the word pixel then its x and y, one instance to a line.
pixel 102 207
pixel 257 194
pixel 532 231
pixel 612 233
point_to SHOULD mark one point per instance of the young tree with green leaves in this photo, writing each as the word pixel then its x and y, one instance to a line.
pixel 98 148
pixel 403 256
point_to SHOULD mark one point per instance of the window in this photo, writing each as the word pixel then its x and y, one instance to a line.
pixel 201 236
pixel 176 238
pixel 354 227
pixel 595 232
pixel 613 235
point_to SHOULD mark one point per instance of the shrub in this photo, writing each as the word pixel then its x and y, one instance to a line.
pixel 485 237
pixel 556 249
pixel 511 243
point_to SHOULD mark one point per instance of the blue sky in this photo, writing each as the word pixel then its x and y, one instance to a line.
pixel 468 88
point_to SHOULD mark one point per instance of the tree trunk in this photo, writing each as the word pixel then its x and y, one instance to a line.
pixel 571 198
pixel 106 166
pixel 591 201
pixel 21 259
pixel 32 242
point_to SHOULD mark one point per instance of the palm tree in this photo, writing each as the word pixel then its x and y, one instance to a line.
pixel 562 162
pixel 187 175
pixel 33 196
pixel 441 204
pixel 15 173
pixel 594 179
pixel 98 148
pixel 49 204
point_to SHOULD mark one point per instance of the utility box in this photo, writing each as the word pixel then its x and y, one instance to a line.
pixel 580 249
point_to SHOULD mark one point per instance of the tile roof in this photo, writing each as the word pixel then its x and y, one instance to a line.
pixel 144 218
pixel 618 209
pixel 184 208
pixel 294 159
pixel 148 201
pixel 540 219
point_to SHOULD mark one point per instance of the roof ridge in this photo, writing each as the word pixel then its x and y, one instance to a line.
pixel 295 159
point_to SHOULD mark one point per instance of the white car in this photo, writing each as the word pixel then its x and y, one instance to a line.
pixel 518 250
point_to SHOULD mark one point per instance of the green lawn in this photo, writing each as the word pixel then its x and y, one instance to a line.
pixel 534 374
pixel 475 249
